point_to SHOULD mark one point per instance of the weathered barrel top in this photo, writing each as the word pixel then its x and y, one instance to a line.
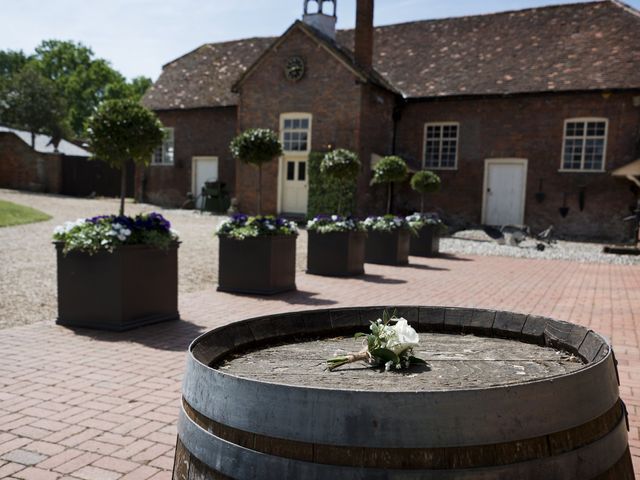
pixel 455 361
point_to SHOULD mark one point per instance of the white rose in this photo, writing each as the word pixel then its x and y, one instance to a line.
pixel 404 337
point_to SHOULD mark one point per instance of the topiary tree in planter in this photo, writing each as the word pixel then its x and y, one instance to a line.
pixel 341 165
pixel 423 182
pixel 123 130
pixel 256 146
pixel 388 170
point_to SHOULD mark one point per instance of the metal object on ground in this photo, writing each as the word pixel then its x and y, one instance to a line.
pixel 564 427
pixel 215 197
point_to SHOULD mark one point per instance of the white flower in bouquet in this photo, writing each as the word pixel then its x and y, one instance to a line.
pixel 404 337
pixel 390 344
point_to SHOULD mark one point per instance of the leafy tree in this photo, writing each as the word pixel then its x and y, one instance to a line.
pixel 388 170
pixel 133 90
pixel 342 166
pixel 423 182
pixel 81 79
pixel 11 62
pixel 256 146
pixel 32 102
pixel 123 130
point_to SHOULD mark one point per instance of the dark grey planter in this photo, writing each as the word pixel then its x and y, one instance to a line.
pixel 426 243
pixel 135 285
pixel 263 265
pixel 388 248
pixel 337 254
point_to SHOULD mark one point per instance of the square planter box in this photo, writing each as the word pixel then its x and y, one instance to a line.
pixel 262 265
pixel 336 254
pixel 132 286
pixel 388 248
pixel 427 243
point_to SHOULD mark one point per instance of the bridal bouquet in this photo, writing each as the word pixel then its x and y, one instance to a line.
pixel 390 344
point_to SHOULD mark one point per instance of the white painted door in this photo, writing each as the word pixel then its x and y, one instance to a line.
pixel 504 196
pixel 295 135
pixel 295 185
pixel 204 169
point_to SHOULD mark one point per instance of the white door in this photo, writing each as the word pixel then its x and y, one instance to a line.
pixel 295 135
pixel 295 185
pixel 203 169
pixel 505 183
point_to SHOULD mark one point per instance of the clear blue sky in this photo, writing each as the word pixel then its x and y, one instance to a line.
pixel 139 36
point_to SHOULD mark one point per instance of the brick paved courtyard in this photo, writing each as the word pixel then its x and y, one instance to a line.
pixel 91 405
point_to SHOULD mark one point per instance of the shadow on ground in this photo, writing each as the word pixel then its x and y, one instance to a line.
pixel 369 277
pixel 174 336
pixel 420 266
pixel 450 256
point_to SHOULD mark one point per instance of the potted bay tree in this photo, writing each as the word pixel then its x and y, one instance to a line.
pixel 117 272
pixel 428 226
pixel 388 235
pixel 336 242
pixel 257 254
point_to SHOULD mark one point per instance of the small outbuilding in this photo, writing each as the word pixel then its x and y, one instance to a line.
pixel 41 163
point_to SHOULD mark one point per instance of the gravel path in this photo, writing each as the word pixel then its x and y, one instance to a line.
pixel 28 267
pixel 476 242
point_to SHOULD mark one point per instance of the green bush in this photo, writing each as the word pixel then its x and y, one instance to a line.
pixel 256 146
pixel 423 182
pixel 388 170
pixel 340 164
pixel 124 130
pixel 326 194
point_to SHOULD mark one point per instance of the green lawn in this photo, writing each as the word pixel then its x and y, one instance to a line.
pixel 13 214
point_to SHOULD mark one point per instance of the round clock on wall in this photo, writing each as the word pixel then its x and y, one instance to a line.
pixel 294 70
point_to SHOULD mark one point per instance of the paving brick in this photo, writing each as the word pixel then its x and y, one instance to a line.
pixel 151 453
pixel 117 464
pixel 24 457
pixel 44 448
pixel 77 463
pixel 141 473
pixel 10 469
pixel 58 459
pixel 34 473
pixel 95 473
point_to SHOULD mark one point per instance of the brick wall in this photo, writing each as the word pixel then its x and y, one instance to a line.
pixel 328 91
pixel 197 132
pixel 376 137
pixel 22 168
pixel 529 127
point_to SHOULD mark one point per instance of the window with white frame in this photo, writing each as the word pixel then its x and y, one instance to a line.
pixel 164 154
pixel 441 145
pixel 295 133
pixel 585 143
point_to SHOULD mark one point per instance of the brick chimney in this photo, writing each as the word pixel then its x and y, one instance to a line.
pixel 363 51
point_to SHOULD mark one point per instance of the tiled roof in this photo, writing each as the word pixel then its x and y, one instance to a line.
pixel 43 143
pixel 204 77
pixel 576 47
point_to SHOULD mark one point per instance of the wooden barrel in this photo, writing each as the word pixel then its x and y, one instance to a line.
pixel 569 426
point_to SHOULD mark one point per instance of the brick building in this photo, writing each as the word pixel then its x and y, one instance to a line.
pixel 40 164
pixel 523 114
